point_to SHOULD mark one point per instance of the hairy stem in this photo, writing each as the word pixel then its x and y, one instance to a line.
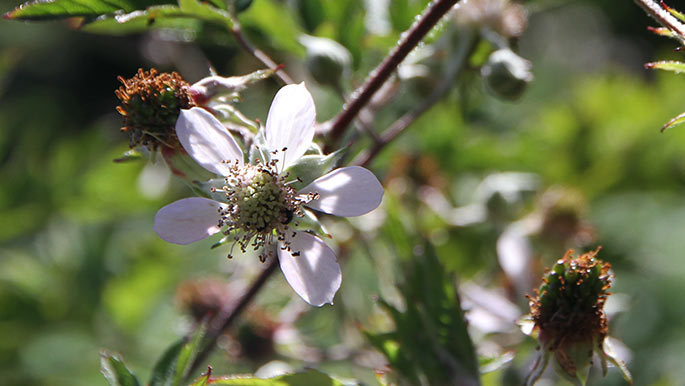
pixel 410 39
pixel 225 319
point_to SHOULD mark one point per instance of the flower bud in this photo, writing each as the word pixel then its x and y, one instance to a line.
pixel 327 60
pixel 506 74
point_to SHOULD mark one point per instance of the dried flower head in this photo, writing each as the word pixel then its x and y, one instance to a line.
pixel 568 314
pixel 150 104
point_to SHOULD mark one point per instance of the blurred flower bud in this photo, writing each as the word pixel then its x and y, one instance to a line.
pixel 204 297
pixel 506 74
pixel 568 314
pixel 327 60
pixel 563 218
pixel 150 105
pixel 501 16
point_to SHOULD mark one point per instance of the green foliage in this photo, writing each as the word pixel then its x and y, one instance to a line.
pixel 116 372
pixel 442 353
pixel 58 9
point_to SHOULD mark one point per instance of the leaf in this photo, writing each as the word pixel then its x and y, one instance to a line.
pixel 163 16
pixel 308 378
pixel 679 15
pixel 175 363
pixel 116 372
pixel 206 12
pixel 674 122
pixel 668 65
pixel 432 307
pixel 311 14
pixel 165 367
pixel 59 9
pixel 188 354
pixel 186 16
pixel 275 24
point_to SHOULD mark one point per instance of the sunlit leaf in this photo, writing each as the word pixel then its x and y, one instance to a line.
pixel 668 65
pixel 58 9
pixel 163 16
pixel 674 122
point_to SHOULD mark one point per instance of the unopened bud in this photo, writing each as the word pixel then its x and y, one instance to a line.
pixel 327 60
pixel 506 74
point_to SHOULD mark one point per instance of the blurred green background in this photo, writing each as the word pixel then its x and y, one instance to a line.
pixel 81 269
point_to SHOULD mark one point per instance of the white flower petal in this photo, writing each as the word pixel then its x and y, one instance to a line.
pixel 314 274
pixel 349 191
pixel 188 220
pixel 290 123
pixel 207 140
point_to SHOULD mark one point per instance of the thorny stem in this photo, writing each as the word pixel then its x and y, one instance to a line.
pixel 401 124
pixel 240 37
pixel 664 17
pixel 225 319
pixel 430 17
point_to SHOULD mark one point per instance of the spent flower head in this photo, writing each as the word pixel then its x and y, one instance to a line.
pixel 150 104
pixel 569 319
pixel 260 205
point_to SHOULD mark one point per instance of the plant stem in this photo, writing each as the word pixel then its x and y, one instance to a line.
pixel 664 18
pixel 410 39
pixel 240 37
pixel 400 125
pixel 224 320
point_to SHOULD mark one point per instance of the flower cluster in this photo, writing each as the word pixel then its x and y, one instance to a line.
pixel 257 204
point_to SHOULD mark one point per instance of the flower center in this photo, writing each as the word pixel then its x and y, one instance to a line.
pixel 261 205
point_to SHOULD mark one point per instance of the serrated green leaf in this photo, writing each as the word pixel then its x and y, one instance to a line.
pixel 116 372
pixel 308 378
pixel 163 372
pixel 668 65
pixel 59 9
